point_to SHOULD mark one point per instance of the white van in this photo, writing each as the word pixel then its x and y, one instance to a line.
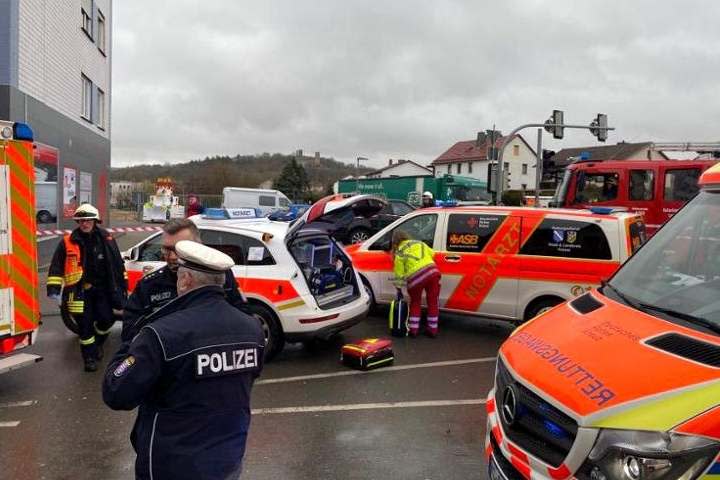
pixel 264 199
pixel 46 202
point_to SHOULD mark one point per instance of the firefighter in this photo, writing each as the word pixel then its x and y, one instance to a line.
pixel 427 200
pixel 190 369
pixel 415 268
pixel 88 269
pixel 159 287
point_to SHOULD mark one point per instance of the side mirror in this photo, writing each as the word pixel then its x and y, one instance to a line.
pixel 132 255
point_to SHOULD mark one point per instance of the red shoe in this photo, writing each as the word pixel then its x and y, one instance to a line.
pixel 413 332
pixel 431 332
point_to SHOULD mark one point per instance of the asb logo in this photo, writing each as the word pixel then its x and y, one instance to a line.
pixel 558 236
pixel 456 239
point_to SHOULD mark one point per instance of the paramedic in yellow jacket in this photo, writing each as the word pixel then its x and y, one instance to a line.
pixel 415 268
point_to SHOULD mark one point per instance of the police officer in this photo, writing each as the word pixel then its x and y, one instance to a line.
pixel 159 287
pixel 190 369
pixel 88 269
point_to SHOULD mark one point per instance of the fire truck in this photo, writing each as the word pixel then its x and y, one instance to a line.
pixel 655 187
pixel 19 304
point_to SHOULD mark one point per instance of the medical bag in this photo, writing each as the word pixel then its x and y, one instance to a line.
pixel 325 280
pixel 368 353
pixel 398 318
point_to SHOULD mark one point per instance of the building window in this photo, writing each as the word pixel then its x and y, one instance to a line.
pixel 449 167
pixel 86 112
pixel 516 150
pixel 459 168
pixel 506 166
pixel 524 168
pixel 101 32
pixel 101 109
pixel 469 167
pixel 86 12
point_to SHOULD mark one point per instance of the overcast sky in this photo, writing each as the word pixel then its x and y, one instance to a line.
pixel 403 79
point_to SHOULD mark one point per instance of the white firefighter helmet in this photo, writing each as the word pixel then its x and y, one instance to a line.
pixel 428 195
pixel 85 212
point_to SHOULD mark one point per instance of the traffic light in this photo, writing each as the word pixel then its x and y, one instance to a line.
pixel 598 127
pixel 492 178
pixel 557 120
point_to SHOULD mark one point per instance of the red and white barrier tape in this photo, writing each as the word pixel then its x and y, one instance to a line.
pixel 45 233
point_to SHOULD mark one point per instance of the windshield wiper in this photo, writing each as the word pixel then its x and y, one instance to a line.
pixel 683 316
pixel 622 296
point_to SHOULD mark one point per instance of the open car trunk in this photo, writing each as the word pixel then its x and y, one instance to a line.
pixel 327 270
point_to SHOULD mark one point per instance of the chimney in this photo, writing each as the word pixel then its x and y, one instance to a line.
pixel 389 161
pixel 299 153
pixel 317 155
pixel 480 139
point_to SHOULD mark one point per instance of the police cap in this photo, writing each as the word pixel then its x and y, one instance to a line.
pixel 199 257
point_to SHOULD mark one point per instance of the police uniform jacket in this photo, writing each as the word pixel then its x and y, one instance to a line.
pixel 160 287
pixel 190 370
pixel 101 261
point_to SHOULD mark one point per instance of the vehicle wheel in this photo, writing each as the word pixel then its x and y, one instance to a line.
pixel 359 235
pixel 44 216
pixel 274 339
pixel 69 320
pixel 541 305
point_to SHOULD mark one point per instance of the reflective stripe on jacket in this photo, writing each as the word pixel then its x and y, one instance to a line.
pixel 73 270
pixel 411 257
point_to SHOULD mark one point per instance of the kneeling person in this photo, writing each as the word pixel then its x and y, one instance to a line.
pixel 190 369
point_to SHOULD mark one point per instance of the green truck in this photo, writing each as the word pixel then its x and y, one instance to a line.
pixel 410 189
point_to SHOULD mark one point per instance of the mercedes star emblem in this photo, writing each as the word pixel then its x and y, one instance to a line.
pixel 509 405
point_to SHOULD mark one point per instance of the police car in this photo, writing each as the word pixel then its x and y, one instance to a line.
pixel 298 281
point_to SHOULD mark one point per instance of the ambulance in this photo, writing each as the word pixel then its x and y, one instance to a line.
pixel 510 263
pixel 19 306
pixel 623 382
pixel 299 282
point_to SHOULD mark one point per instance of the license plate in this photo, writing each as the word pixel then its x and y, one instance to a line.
pixel 494 471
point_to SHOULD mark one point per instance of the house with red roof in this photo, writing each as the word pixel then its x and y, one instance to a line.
pixel 401 168
pixel 472 158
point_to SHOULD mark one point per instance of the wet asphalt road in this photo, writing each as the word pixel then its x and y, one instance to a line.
pixel 66 432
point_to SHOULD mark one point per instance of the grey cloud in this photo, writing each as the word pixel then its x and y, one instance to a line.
pixel 403 78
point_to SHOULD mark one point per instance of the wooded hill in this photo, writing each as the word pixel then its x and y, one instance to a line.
pixel 211 175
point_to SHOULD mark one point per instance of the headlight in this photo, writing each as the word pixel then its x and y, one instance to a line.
pixel 638 455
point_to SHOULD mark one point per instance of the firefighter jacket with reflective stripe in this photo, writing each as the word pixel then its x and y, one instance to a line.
pixel 190 370
pixel 411 257
pixel 71 263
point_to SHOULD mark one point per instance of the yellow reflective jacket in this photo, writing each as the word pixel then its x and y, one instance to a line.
pixel 411 257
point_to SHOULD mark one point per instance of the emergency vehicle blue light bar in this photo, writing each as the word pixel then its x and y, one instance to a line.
pixel 22 131
pixel 216 214
pixel 602 210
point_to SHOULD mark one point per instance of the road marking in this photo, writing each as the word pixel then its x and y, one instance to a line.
pixel 368 406
pixel 397 368
pixel 9 424
pixel 26 403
